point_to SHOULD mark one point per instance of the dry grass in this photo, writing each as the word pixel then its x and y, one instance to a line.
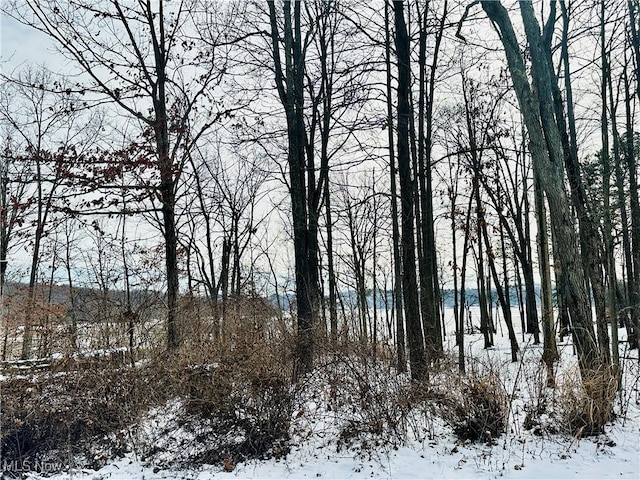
pixel 475 405
pixel 66 409
pixel 585 406
pixel 236 391
pixel 63 411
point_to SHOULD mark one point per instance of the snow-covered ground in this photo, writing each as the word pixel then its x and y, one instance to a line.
pixel 430 449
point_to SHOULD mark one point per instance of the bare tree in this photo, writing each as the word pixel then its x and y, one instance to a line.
pixel 45 123
pixel 141 57
pixel 397 258
pixel 415 337
pixel 546 149
pixel 427 77
pixel 290 85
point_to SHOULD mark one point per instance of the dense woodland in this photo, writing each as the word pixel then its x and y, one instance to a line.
pixel 322 173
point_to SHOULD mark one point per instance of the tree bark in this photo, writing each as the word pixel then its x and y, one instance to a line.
pixel 550 349
pixel 634 204
pixel 548 160
pixel 395 235
pixel 590 240
pixel 429 287
pixel 290 84
pixel 409 284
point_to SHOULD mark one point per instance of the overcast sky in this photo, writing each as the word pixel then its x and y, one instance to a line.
pixel 20 44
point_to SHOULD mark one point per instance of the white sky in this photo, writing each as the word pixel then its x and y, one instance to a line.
pixel 20 44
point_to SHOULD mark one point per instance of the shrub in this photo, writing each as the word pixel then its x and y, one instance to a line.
pixel 63 412
pixel 241 387
pixel 238 393
pixel 373 399
pixel 474 406
pixel 585 406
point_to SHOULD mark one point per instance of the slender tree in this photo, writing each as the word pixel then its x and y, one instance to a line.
pixel 550 351
pixel 415 337
pixel 590 239
pixel 290 84
pixel 546 149
pixel 397 258
pixel 427 75
pixel 134 56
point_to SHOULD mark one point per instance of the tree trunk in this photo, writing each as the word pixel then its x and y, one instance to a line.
pixel 463 271
pixel 395 235
pixel 634 204
pixel 167 193
pixel 610 264
pixel 167 183
pixel 590 240
pixel 502 298
pixel 623 313
pixel 453 195
pixel 333 305
pixel 358 273
pixel 409 284
pixel 429 287
pixel 290 84
pixel 547 159
pixel 550 349
pixel 507 295
pixel 43 207
pixel 485 322
pixel 326 59
pixel 634 9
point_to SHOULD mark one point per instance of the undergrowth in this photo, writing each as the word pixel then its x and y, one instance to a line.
pixel 238 393
pixel 229 401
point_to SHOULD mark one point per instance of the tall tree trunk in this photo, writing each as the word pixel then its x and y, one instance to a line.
pixel 550 349
pixel 634 204
pixel 588 225
pixel 409 284
pixel 453 195
pixel 429 287
pixel 397 258
pixel 547 154
pixel 624 221
pixel 167 182
pixel 326 42
pixel 621 205
pixel 523 225
pixel 290 84
pixel 610 264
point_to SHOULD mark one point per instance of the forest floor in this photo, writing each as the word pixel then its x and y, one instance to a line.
pixel 355 418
